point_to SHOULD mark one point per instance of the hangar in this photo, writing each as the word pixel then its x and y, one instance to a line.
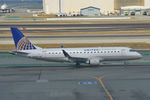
pixel 90 11
pixel 71 7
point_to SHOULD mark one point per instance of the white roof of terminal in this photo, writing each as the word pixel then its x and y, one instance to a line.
pixel 135 7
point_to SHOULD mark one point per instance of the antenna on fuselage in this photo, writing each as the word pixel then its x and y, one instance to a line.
pixel 62 46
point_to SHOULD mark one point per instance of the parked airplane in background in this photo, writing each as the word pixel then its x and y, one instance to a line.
pixel 92 56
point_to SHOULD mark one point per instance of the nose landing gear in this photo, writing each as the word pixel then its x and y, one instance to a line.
pixel 126 63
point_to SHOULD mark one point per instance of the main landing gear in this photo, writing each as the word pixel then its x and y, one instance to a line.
pixel 77 64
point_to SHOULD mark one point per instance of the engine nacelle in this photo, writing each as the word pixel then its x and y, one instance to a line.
pixel 93 61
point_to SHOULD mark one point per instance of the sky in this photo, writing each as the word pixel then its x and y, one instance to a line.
pixel 19 4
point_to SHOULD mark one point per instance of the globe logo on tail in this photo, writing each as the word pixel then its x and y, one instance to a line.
pixel 25 44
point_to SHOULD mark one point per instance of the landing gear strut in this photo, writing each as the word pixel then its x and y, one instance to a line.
pixel 77 64
pixel 125 62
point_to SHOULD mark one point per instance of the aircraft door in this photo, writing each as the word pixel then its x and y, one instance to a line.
pixel 124 52
pixel 43 54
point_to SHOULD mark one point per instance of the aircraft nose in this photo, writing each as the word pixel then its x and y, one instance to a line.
pixel 138 55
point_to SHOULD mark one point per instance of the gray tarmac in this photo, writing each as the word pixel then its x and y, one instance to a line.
pixel 83 36
pixel 77 27
pixel 81 39
pixel 65 83
pixel 130 25
pixel 28 79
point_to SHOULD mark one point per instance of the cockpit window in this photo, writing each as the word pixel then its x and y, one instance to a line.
pixel 131 50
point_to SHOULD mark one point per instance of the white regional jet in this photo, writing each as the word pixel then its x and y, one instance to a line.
pixel 91 56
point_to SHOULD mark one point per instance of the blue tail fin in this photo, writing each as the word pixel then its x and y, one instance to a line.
pixel 21 42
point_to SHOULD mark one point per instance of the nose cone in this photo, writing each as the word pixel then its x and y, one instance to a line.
pixel 138 55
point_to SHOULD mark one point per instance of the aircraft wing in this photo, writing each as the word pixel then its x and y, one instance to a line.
pixel 74 59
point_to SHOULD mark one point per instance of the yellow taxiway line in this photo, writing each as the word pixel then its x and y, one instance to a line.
pixel 102 84
pixel 106 90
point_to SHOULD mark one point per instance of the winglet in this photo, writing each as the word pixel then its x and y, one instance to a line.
pixel 66 54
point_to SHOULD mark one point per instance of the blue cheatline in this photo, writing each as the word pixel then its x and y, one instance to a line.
pixel 21 42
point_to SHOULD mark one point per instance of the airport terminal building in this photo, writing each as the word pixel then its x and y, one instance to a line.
pixel 70 7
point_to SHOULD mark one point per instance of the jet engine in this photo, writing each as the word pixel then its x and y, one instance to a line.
pixel 93 61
